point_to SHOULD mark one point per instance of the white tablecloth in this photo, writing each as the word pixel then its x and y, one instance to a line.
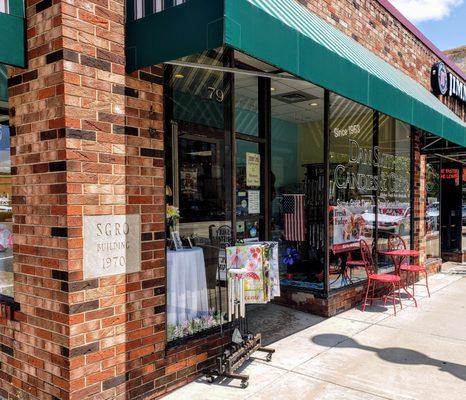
pixel 187 286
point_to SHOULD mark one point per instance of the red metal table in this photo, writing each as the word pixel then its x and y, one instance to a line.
pixel 398 256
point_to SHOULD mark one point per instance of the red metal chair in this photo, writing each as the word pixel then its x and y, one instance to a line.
pixel 373 278
pixel 396 242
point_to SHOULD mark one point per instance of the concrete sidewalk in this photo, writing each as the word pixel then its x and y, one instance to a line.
pixel 419 355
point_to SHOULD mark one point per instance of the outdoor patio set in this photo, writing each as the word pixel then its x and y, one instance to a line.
pixel 402 280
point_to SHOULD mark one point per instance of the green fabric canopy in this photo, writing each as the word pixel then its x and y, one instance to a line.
pixel 285 34
pixel 13 35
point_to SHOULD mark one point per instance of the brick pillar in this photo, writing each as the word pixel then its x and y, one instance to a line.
pixel 419 195
pixel 36 366
pixel 422 207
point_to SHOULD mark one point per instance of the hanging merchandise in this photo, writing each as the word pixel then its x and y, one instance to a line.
pixel 253 278
pixel 236 299
pixel 249 258
pixel 256 266
pixel 271 256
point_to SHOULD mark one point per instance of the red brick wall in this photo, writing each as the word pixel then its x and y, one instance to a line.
pixel 32 363
pixel 419 193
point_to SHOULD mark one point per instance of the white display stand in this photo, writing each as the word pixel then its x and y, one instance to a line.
pixel 187 296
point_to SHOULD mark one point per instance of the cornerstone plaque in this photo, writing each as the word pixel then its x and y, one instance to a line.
pixel 112 245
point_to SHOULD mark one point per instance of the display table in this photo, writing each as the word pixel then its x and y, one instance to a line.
pixel 187 296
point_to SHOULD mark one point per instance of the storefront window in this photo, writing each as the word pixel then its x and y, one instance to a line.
pixel 199 186
pixel 199 94
pixel 394 217
pixel 6 236
pixel 216 162
pixel 432 218
pixel 370 193
pixel 297 181
pixel 353 180
pixel 249 192
pixel 451 189
pixel 247 104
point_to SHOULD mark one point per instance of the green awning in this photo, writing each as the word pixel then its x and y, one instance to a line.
pixel 13 35
pixel 285 34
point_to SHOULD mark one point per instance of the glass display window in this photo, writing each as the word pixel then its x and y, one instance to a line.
pixel 6 230
pixel 297 182
pixel 249 150
pixel 394 194
pixel 370 187
pixel 198 197
pixel 432 217
pixel 352 188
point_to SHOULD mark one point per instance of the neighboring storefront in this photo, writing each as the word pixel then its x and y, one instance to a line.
pixel 238 122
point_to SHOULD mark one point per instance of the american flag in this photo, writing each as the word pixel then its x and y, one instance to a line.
pixel 293 210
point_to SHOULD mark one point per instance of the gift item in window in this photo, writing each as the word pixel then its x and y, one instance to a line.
pixel 177 242
pixel 6 238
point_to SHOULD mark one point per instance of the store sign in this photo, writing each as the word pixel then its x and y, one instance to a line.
pixel 446 84
pixel 349 224
pixel 112 245
pixel 450 174
pixel 389 179
pixel 254 201
pixel 253 169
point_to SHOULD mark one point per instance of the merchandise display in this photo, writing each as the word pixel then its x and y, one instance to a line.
pixel 253 278
pixel 256 266
pixel 236 298
pixel 187 298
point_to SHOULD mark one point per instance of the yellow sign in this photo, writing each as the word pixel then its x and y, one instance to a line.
pixel 253 169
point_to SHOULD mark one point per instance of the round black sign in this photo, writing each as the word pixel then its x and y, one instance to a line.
pixel 439 79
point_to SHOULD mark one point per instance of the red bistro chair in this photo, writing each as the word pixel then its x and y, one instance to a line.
pixel 396 242
pixel 373 278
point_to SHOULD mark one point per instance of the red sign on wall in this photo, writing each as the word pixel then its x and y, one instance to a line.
pixel 451 173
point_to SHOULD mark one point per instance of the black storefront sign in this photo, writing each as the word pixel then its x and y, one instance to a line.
pixel 445 83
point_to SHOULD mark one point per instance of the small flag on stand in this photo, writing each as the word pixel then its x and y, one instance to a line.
pixel 293 210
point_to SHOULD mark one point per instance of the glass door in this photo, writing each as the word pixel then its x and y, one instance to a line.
pixel 250 159
pixel 250 216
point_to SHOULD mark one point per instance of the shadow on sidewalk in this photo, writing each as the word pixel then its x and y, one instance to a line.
pixel 396 355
